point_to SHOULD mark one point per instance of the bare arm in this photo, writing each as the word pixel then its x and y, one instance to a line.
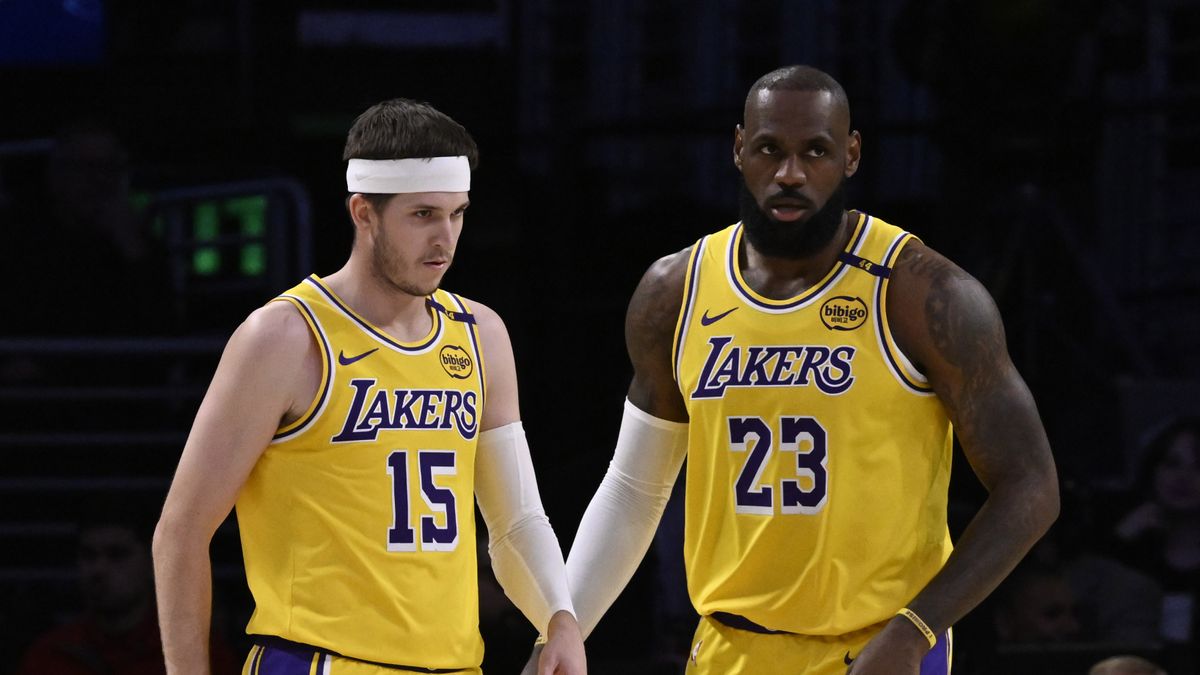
pixel 649 332
pixel 501 405
pixel 256 386
pixel 946 322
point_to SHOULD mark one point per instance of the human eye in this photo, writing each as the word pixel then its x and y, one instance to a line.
pixel 768 149
pixel 423 213
pixel 818 151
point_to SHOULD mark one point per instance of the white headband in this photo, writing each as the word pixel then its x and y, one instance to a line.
pixel 420 174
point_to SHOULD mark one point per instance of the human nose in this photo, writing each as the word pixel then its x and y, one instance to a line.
pixel 791 172
pixel 445 231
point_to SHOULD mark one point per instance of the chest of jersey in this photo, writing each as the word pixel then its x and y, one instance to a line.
pixel 810 435
pixel 358 520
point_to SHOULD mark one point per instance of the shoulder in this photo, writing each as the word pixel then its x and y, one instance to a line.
pixel 487 320
pixel 667 274
pixel 927 281
pixel 659 295
pixel 935 307
pixel 273 337
pixel 493 334
pixel 276 324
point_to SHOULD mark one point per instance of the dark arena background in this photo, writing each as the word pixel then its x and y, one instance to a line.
pixel 167 167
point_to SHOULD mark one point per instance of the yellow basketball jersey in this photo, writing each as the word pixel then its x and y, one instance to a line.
pixel 818 456
pixel 358 522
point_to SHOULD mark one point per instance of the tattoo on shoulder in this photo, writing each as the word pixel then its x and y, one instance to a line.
pixel 653 311
pixel 965 331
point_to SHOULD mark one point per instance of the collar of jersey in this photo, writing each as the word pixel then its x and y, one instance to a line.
pixel 734 274
pixel 418 346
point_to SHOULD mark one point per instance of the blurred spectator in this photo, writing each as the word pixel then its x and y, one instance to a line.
pixel 1126 665
pixel 1114 603
pixel 84 260
pixel 1035 604
pixel 1161 534
pixel 117 631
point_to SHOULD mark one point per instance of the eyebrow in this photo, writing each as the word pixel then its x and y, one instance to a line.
pixel 763 136
pixel 434 207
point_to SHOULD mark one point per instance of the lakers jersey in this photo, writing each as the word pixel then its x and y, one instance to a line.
pixel 818 456
pixel 357 523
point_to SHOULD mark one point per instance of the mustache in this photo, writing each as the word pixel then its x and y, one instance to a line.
pixel 788 194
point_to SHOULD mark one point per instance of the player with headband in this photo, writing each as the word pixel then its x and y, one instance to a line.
pixel 353 421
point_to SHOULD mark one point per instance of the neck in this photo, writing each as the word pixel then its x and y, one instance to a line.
pixel 401 315
pixel 782 278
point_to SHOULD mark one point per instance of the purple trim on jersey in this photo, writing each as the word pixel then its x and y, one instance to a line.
pixel 371 329
pixel 327 353
pixel 897 367
pixel 276 661
pixel 937 660
pixel 689 298
pixel 804 297
pixel 471 328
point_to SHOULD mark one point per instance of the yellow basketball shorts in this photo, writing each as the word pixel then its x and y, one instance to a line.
pixel 286 658
pixel 719 649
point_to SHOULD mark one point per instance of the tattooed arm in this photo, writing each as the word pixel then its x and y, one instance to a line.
pixel 948 325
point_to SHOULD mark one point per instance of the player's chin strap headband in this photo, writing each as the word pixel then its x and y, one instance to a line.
pixel 419 174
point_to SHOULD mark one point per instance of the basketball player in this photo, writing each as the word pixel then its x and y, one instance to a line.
pixel 353 421
pixel 809 362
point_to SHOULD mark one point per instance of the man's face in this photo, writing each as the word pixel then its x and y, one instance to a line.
pixel 413 239
pixel 114 570
pixel 795 153
pixel 1177 476
pixel 1043 610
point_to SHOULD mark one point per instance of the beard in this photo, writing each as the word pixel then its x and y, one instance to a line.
pixel 799 239
pixel 391 270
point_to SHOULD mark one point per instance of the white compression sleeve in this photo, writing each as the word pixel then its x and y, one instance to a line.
pixel 526 557
pixel 620 521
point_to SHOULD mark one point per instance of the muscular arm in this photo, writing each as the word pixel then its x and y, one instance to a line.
pixel 946 322
pixel 649 334
pixel 257 384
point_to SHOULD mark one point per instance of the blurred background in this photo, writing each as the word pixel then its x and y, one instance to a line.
pixel 165 168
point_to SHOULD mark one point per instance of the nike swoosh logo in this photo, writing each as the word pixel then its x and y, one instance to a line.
pixel 847 659
pixel 706 320
pixel 347 360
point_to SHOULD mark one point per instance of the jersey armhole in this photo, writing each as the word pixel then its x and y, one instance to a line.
pixel 476 346
pixel 317 405
pixel 898 363
pixel 685 310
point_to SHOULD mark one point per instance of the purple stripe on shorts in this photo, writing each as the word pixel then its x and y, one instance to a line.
pixel 277 661
pixel 937 660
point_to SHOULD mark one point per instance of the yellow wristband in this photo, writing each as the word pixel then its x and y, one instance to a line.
pixel 921 625
pixel 541 640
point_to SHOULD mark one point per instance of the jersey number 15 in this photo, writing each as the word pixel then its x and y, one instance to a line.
pixel 402 536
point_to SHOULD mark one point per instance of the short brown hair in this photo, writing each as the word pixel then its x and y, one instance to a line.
pixel 401 128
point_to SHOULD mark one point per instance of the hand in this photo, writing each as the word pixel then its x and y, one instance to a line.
pixel 532 664
pixel 897 650
pixel 563 653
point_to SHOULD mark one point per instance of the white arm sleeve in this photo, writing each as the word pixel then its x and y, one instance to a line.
pixel 620 521
pixel 526 557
